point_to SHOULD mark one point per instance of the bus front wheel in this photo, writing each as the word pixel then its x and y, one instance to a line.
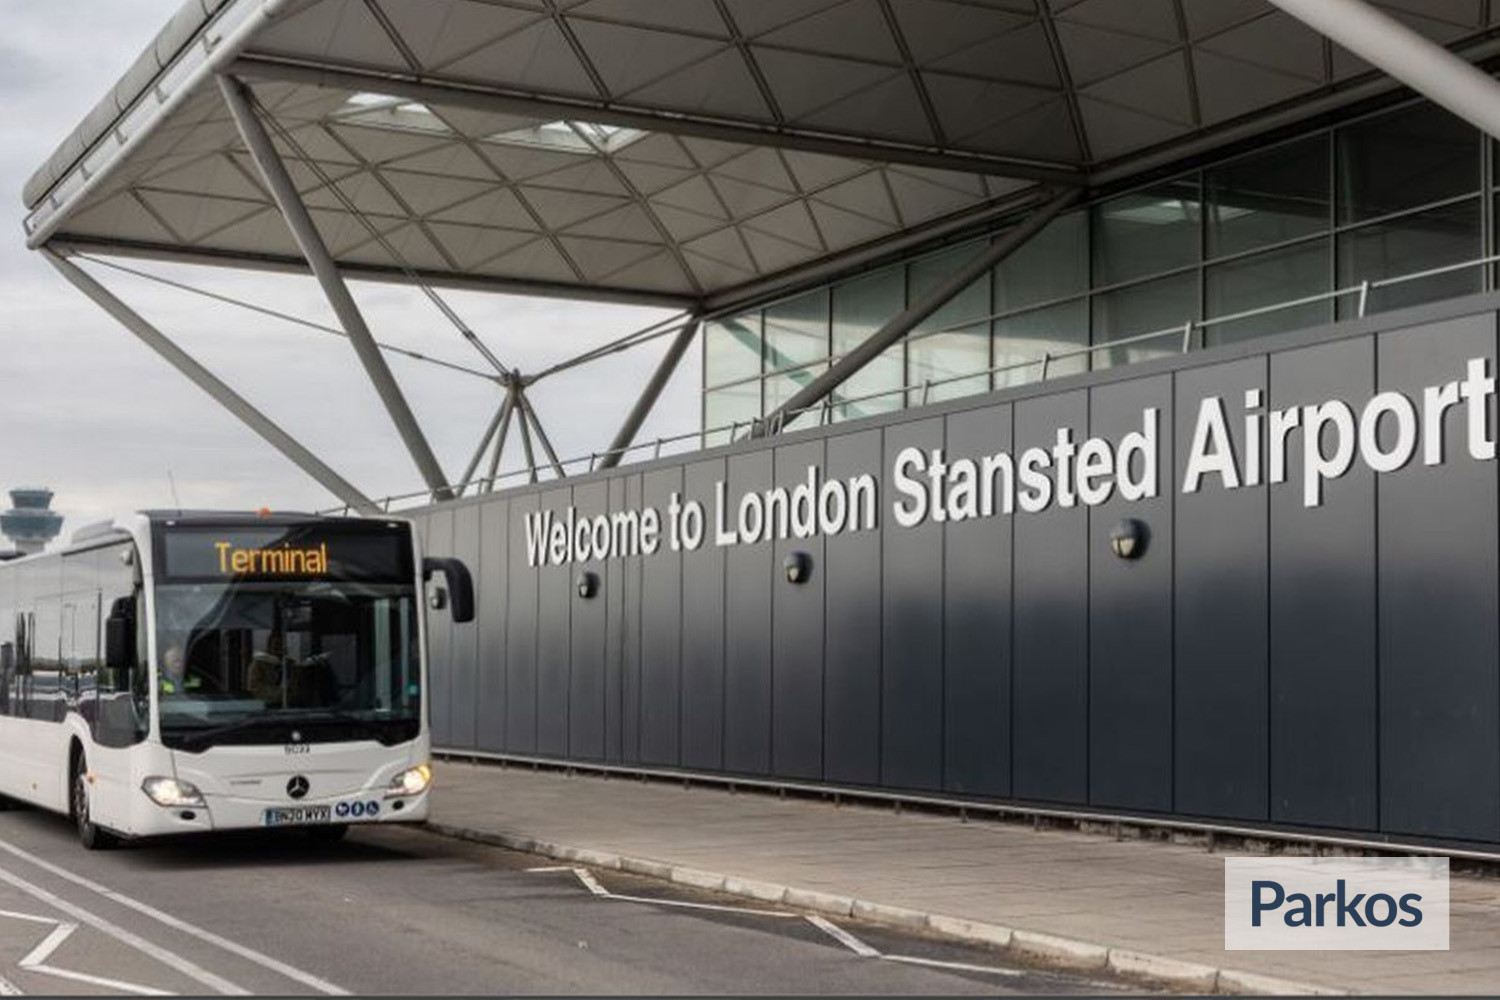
pixel 92 836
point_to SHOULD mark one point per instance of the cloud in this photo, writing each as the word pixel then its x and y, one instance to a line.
pixel 90 411
pixel 21 72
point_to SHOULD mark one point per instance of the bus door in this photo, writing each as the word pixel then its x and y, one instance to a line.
pixel 67 661
pixel 113 688
pixel 7 668
pixel 25 660
pixel 81 653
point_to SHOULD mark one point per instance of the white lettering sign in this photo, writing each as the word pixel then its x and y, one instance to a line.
pixel 1315 443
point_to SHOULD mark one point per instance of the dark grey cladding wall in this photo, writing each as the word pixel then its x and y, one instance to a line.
pixel 1334 668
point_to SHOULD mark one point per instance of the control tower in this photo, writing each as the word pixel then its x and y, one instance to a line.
pixel 30 524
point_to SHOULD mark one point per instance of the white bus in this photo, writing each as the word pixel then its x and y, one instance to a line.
pixel 195 671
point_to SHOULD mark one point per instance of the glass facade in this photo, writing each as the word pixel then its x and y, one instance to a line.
pixel 859 307
pixel 1279 239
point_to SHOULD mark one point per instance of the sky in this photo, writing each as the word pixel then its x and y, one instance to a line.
pixel 89 411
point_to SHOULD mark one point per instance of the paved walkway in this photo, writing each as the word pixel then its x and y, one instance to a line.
pixel 1159 898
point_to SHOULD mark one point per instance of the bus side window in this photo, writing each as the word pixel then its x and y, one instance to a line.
pixel 120 695
pixel 23 644
pixel 7 671
pixel 46 696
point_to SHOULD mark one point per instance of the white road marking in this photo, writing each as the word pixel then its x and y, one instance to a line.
pixel 955 966
pixel 36 961
pixel 169 958
pixel 249 954
pixel 684 904
pixel 843 937
pixel 12 915
pixel 593 885
pixel 823 924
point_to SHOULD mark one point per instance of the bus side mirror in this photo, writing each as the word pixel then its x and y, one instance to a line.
pixel 119 636
pixel 460 585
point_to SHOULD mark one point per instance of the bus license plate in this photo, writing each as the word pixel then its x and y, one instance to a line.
pixel 298 816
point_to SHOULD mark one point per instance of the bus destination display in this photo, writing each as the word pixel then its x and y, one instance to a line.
pixel 285 553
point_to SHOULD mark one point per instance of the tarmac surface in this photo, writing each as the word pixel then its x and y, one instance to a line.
pixel 1097 900
pixel 404 911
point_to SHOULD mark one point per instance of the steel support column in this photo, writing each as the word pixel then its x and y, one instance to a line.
pixel 904 322
pixel 1420 63
pixel 541 435
pixel 502 416
pixel 526 437
pixel 324 268
pixel 504 432
pixel 211 384
pixel 644 405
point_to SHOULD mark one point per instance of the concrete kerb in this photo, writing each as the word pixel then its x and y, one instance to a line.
pixel 697 879
pixel 1184 975
pixel 891 916
pixel 765 892
pixel 1060 950
pixel 1046 948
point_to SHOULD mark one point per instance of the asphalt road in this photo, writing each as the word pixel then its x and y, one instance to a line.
pixel 403 911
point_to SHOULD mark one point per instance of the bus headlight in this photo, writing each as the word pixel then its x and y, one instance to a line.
pixel 172 793
pixel 412 781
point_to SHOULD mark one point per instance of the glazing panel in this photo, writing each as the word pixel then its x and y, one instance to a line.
pixel 874 389
pixel 1268 198
pixel 967 306
pixel 1264 280
pixel 780 388
pixel 860 307
pixel 1025 339
pixel 1146 232
pixel 1146 308
pixel 797 330
pixel 731 349
pixel 1410 244
pixel 942 356
pixel 1411 157
pixel 723 407
pixel 1054 264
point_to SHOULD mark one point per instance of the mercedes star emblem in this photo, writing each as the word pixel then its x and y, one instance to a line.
pixel 297 787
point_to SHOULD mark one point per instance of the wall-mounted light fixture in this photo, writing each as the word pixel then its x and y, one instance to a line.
pixel 798 567
pixel 587 584
pixel 1128 538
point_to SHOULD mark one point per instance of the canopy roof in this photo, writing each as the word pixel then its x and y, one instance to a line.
pixel 667 149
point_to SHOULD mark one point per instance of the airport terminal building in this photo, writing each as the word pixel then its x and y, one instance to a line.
pixel 1098 396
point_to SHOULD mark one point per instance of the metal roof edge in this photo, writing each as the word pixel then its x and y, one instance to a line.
pixel 68 243
pixel 191 18
pixel 190 31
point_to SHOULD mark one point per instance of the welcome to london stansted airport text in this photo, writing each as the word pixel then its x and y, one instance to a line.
pixel 1385 433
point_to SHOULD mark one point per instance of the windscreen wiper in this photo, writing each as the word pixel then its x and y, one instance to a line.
pixel 196 736
pixel 367 726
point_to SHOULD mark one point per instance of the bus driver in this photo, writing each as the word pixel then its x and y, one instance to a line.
pixel 174 674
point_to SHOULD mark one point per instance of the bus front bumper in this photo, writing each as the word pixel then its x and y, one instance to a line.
pixel 225 812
